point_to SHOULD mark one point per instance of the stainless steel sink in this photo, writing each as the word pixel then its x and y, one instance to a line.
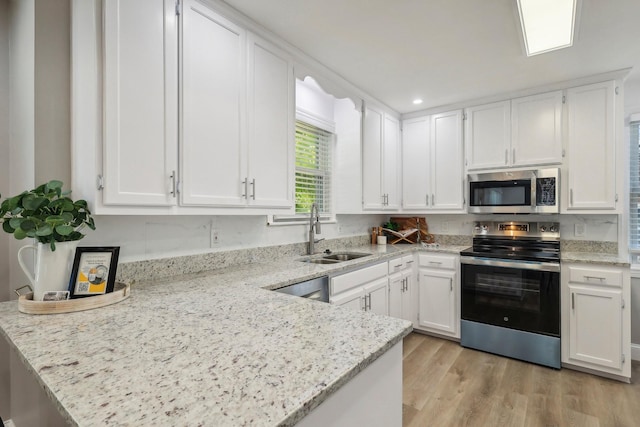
pixel 320 261
pixel 345 256
pixel 335 258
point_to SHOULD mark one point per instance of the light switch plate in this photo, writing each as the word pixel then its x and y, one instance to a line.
pixel 580 229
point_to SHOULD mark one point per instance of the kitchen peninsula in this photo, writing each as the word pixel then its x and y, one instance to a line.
pixel 208 349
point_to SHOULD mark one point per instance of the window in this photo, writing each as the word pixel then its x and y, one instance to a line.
pixel 313 168
pixel 634 186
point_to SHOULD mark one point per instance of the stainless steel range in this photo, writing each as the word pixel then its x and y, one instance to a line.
pixel 511 291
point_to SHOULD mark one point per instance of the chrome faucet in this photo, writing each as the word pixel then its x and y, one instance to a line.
pixel 312 225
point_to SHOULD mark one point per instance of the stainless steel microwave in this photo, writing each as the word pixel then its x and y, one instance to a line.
pixel 525 191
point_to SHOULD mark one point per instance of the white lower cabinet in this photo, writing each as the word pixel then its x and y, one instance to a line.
pixel 596 321
pixel 438 294
pixel 402 289
pixel 365 289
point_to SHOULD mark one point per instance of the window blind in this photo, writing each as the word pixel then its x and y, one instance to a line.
pixel 313 168
pixel 634 186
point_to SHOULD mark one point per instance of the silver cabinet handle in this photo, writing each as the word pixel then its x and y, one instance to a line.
pixel 433 200
pixel 451 285
pixel 173 184
pixel 513 158
pixel 571 197
pixel 602 279
pixel 427 199
pixel 506 156
pixel 573 302
pixel 246 187
pixel 253 188
pixel 435 262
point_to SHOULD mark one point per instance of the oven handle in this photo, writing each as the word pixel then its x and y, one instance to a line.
pixel 525 265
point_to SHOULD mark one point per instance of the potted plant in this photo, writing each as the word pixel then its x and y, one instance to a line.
pixel 55 221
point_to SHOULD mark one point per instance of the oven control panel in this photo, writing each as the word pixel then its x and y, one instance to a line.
pixel 549 230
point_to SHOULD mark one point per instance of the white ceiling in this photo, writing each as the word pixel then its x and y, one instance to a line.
pixel 446 51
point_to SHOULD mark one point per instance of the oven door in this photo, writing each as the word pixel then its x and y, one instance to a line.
pixel 520 295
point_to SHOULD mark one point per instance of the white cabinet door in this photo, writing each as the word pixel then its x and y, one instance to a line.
pixel 140 102
pixel 213 165
pixel 380 161
pixel 591 168
pixel 437 300
pixel 409 297
pixel 271 126
pixel 433 174
pixel 353 299
pixel 377 294
pixel 595 326
pixel 536 129
pixel 488 135
pixel 390 162
pixel 416 156
pixel 447 174
pixel 396 292
pixel 372 194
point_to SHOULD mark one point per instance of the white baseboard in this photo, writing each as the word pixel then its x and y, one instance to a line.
pixel 635 351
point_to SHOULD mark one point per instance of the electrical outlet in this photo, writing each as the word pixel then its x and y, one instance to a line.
pixel 580 229
pixel 214 237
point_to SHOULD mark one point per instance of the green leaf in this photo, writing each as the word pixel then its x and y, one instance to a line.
pixel 67 217
pixel 45 230
pixel 6 226
pixel 15 223
pixel 53 185
pixel 27 225
pixel 64 230
pixel 33 203
pixel 19 234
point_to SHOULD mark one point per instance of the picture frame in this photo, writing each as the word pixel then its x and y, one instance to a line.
pixel 94 271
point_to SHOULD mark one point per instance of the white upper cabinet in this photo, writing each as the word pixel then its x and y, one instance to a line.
pixel 237 115
pixel 416 156
pixel 447 174
pixel 488 135
pixel 380 157
pixel 536 129
pixel 179 111
pixel 590 182
pixel 432 170
pixel 213 163
pixel 525 131
pixel 140 103
pixel 271 149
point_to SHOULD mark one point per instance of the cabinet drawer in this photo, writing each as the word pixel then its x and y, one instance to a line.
pixel 347 281
pixel 400 263
pixel 438 261
pixel 595 276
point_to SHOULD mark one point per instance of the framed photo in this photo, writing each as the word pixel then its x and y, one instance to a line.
pixel 94 271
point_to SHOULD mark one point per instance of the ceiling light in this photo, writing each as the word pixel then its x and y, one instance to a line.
pixel 547 24
pixel 417 101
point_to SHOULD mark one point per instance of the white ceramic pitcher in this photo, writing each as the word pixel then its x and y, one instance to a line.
pixel 52 269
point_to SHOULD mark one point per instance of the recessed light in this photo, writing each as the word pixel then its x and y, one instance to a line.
pixel 417 101
pixel 547 24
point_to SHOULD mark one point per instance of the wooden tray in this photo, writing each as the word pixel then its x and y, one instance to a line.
pixel 26 304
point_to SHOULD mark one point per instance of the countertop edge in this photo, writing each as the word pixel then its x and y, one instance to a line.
pixel 318 399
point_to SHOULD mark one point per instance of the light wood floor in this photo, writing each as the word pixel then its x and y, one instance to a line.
pixel 448 385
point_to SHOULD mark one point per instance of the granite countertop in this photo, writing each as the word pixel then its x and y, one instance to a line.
pixel 215 348
pixel 209 349
pixel 595 258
